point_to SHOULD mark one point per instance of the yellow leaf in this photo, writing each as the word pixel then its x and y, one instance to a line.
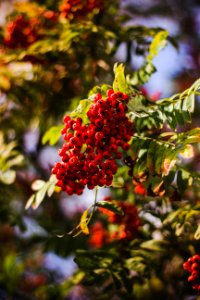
pixel 84 222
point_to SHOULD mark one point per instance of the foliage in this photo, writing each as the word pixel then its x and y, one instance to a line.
pixel 132 244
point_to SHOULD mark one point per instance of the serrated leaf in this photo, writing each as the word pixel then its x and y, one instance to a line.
pixel 138 104
pixel 52 135
pixel 158 43
pixel 81 111
pixel 188 103
pixel 120 83
pixel 110 206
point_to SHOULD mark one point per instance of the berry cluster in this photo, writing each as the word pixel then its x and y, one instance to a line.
pixel 192 265
pixel 76 9
pixel 125 227
pixel 139 188
pixel 99 236
pixel 20 32
pixel 90 152
pixel 23 31
pixel 128 223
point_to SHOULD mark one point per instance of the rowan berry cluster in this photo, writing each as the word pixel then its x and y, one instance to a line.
pixel 99 236
pixel 125 227
pixel 76 9
pixel 192 265
pixel 128 223
pixel 22 31
pixel 90 152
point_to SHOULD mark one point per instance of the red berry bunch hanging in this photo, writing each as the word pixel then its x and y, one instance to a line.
pixel 24 31
pixel 21 32
pixel 76 9
pixel 128 223
pixel 192 265
pixel 90 152
pixel 99 236
pixel 125 227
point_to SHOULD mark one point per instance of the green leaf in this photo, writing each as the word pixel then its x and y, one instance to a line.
pixel 100 90
pixel 81 111
pixel 161 153
pixel 144 73
pixel 189 137
pixel 120 84
pixel 120 177
pixel 136 263
pixel 110 206
pixel 151 156
pixel 155 245
pixel 52 135
pixel 158 43
pixel 118 182
pixel 140 168
pixel 188 103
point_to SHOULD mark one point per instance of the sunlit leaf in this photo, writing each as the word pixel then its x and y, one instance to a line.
pixel 52 135
pixel 84 222
pixel 120 83
pixel 37 185
pixel 110 206
pixel 81 111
